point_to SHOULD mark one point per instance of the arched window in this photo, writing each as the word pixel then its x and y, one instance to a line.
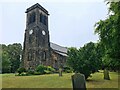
pixel 32 18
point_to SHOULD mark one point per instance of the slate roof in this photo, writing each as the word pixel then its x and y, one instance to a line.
pixel 59 49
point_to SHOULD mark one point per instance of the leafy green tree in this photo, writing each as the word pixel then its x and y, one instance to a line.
pixel 72 59
pixel 86 60
pixel 5 59
pixel 90 58
pixel 15 51
pixel 99 52
pixel 109 35
pixel 10 56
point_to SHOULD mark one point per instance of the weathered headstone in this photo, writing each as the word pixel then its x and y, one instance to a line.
pixel 78 81
pixel 106 74
pixel 60 72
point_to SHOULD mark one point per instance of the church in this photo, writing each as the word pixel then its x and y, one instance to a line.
pixel 37 48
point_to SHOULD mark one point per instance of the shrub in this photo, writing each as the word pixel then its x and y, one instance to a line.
pixel 47 72
pixel 23 74
pixel 49 68
pixel 45 69
pixel 41 69
pixel 30 72
pixel 21 70
pixel 67 69
pixel 37 73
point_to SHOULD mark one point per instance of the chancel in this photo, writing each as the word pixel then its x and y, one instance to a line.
pixel 38 50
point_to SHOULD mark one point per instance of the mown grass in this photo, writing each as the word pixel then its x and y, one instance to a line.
pixel 38 81
pixel 54 81
pixel 97 81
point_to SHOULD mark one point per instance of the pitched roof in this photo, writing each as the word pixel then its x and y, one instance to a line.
pixel 59 49
pixel 37 5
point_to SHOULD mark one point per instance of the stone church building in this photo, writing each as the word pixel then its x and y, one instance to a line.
pixel 37 46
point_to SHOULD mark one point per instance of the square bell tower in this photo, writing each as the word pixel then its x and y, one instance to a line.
pixel 36 48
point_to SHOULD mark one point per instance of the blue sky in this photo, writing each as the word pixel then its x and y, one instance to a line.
pixel 71 24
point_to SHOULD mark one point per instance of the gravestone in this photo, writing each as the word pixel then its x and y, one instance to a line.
pixel 60 72
pixel 106 74
pixel 78 81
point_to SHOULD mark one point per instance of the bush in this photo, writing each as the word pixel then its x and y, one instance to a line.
pixel 21 70
pixel 45 69
pixel 41 69
pixel 30 72
pixel 67 69
pixel 47 72
pixel 49 68
pixel 23 74
pixel 37 73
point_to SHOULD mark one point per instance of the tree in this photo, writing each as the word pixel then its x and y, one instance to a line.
pixel 5 59
pixel 109 35
pixel 10 57
pixel 99 54
pixel 72 59
pixel 15 51
pixel 86 60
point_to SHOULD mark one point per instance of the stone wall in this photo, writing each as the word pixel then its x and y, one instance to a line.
pixel 57 60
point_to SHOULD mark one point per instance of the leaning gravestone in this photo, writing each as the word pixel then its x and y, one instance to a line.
pixel 60 72
pixel 106 75
pixel 78 81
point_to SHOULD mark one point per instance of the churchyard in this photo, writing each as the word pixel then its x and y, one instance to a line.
pixel 55 81
pixel 43 63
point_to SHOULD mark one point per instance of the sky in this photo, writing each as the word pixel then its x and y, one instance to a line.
pixel 71 23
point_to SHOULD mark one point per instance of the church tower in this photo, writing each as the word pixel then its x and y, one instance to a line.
pixel 36 48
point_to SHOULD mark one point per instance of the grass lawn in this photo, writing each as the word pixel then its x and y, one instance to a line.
pixel 54 81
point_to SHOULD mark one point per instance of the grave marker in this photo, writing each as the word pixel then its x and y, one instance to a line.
pixel 60 72
pixel 106 74
pixel 78 81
